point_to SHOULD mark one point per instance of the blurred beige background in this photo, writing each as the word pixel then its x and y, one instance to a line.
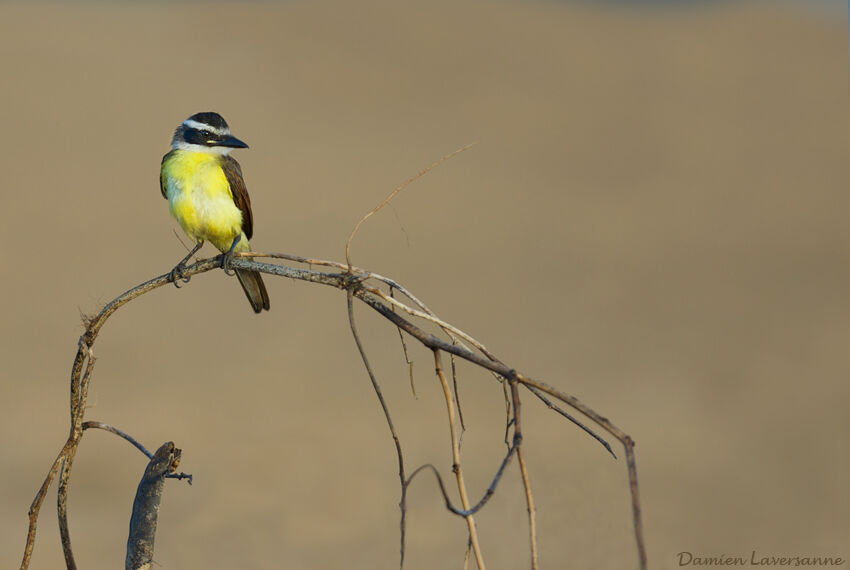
pixel 654 220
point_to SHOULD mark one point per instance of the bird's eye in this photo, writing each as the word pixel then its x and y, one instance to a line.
pixel 205 133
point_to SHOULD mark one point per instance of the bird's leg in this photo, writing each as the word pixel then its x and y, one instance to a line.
pixel 226 258
pixel 177 273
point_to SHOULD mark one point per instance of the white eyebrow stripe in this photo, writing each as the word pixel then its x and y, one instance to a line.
pixel 192 124
pixel 183 145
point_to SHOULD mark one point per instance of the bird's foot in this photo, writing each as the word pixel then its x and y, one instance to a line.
pixel 176 275
pixel 226 259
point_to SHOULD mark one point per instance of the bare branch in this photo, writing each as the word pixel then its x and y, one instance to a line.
pixel 490 363
pixel 352 280
pixel 78 406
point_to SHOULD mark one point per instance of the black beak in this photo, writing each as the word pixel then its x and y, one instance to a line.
pixel 230 141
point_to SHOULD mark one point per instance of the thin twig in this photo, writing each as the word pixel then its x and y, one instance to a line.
pixel 430 317
pixel 379 393
pixel 456 468
pixel 529 503
pixel 118 432
pixel 563 412
pixel 309 261
pixel 393 194
pixel 407 359
pixel 457 401
pixel 517 441
pixel 508 420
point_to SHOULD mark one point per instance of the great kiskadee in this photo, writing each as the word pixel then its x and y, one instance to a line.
pixel 206 194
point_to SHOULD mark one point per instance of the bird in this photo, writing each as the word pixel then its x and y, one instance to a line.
pixel 207 196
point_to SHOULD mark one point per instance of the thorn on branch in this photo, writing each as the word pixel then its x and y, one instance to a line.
pixel 180 476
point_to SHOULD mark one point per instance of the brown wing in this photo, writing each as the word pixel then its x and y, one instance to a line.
pixel 240 194
pixel 162 174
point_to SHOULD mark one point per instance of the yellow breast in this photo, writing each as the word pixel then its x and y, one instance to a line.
pixel 199 198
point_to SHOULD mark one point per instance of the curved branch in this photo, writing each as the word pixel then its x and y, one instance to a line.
pixel 515 445
pixel 377 388
pixel 118 432
pixel 352 280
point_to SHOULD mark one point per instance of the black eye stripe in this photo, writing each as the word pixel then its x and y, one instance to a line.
pixel 203 137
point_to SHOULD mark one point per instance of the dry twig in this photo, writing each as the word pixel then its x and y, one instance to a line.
pixel 394 193
pixel 456 468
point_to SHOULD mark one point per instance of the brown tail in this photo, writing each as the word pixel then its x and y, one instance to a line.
pixel 255 289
